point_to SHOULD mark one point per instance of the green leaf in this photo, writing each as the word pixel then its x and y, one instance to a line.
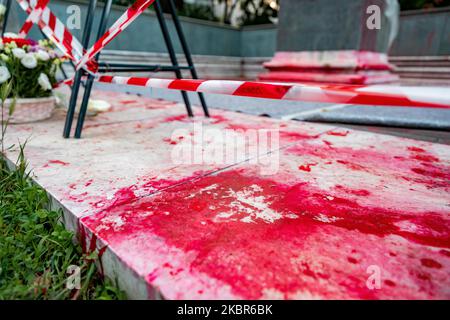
pixel 41 214
pixel 12 106
pixel 35 246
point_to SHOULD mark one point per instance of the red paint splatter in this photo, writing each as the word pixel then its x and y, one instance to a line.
pixel 352 260
pixel 160 184
pixel 356 192
pixel 149 184
pixel 122 196
pixel 389 283
pixel 79 197
pixel 352 165
pixel 430 263
pixel 128 101
pixel 415 149
pixel 251 257
pixel 176 118
pixel 426 158
pixel 58 162
pixel 232 124
pixel 430 172
pixel 338 133
pixel 445 253
pixel 296 136
pixel 169 141
pixel 422 155
pixel 217 119
pixel 241 127
pixel 307 167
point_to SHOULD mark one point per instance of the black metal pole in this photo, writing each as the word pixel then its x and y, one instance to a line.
pixel 5 18
pixel 79 73
pixel 187 52
pixel 172 55
pixel 90 81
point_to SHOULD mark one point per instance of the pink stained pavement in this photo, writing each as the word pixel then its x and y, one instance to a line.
pixel 341 66
pixel 342 204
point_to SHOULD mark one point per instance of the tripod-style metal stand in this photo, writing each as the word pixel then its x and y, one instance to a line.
pixel 125 67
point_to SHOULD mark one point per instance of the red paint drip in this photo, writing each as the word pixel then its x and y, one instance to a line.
pixel 430 263
pixel 338 133
pixel 328 143
pixel 296 136
pixel 59 162
pixel 360 192
pixel 169 141
pixel 307 167
pixel 415 149
pixel 176 118
pixel 128 101
pixel 83 239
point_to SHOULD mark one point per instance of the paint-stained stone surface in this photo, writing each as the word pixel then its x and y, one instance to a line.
pixel 344 212
pixel 129 147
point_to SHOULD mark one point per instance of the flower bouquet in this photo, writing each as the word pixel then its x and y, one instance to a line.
pixel 28 68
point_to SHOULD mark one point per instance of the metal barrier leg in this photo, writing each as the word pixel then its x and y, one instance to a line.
pixel 79 73
pixel 173 57
pixel 90 80
pixel 5 18
pixel 187 52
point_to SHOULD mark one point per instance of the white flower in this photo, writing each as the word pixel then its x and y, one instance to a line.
pixel 10 35
pixel 98 105
pixel 2 9
pixel 42 55
pixel 44 82
pixel 18 53
pixel 29 61
pixel 4 74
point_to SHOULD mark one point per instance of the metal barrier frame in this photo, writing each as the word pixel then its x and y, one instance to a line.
pixel 124 67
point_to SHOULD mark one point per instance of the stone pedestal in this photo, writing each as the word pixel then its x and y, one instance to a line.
pixel 334 41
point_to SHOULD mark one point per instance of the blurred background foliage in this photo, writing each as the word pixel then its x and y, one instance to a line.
pixel 253 12
pixel 423 4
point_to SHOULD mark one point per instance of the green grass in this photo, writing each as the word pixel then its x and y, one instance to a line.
pixel 35 248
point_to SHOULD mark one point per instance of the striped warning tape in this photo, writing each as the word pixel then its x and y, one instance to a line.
pixel 326 93
pixel 121 24
pixel 34 15
pixel 54 29
pixel 364 95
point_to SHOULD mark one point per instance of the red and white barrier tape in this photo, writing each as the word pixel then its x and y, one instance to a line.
pixel 362 95
pixel 34 16
pixel 121 24
pixel 54 29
